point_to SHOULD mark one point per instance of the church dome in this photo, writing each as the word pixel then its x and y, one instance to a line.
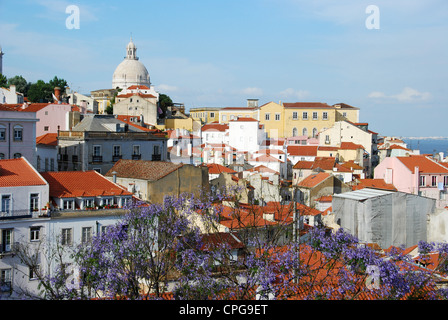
pixel 130 71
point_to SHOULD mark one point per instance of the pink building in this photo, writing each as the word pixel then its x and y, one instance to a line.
pixel 52 117
pixel 416 174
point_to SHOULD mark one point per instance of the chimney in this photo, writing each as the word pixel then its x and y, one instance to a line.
pixel 57 95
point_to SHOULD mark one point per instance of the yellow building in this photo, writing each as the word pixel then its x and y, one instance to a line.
pixel 282 120
pixel 205 114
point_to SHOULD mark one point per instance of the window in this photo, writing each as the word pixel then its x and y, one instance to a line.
pixel 445 181
pixel 212 114
pixel 5 280
pixel 305 115
pixel 117 151
pixel 18 133
pixel 34 233
pixel 6 238
pixel 34 202
pixel 6 203
pixel 2 156
pixel 136 150
pixel 422 181
pixel 277 116
pixel 314 132
pixel 434 181
pixel 294 132
pixel 267 116
pixel 68 204
pixel 156 150
pixel 305 132
pixel 97 150
pixel 224 117
pixel 66 237
pixel 89 203
pixel 108 201
pixel 46 128
pixel 325 115
pixel 17 155
pixel 344 114
pixel 86 234
pixel 295 115
pixel 314 115
pixel 2 133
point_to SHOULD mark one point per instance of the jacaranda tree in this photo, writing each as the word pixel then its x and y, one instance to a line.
pixel 184 248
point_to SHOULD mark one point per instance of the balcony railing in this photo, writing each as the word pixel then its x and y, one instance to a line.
pixel 15 214
pixel 136 156
pixel 156 157
pixel 115 158
pixel 97 159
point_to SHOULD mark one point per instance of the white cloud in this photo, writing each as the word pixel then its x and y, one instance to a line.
pixel 294 94
pixel 406 95
pixel 252 91
pixel 409 94
pixel 166 88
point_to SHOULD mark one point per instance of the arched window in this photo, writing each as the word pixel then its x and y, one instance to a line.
pixel 314 132
pixel 305 132
pixel 2 156
pixel 294 132
pixel 17 155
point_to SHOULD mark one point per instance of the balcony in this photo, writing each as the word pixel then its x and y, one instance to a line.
pixel 97 159
pixel 136 156
pixel 74 158
pixel 116 157
pixel 17 214
pixel 156 157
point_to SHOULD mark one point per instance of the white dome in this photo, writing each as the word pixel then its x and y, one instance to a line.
pixel 130 71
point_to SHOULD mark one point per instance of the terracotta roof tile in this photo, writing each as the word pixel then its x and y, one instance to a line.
pixel 69 184
pixel 374 183
pixel 50 139
pixel 215 168
pixel 424 164
pixel 302 150
pixel 143 169
pixel 19 172
pixel 313 180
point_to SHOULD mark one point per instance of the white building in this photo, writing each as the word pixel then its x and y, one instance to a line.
pixel 246 134
pixel 10 96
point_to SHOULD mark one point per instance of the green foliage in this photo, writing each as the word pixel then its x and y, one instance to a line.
pixel 21 84
pixel 3 81
pixel 42 91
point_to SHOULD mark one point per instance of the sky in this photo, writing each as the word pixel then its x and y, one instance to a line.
pixel 390 62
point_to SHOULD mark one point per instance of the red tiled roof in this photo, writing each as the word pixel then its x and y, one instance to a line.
pixel 143 169
pixel 50 139
pixel 245 119
pixel 215 168
pixel 396 146
pixel 214 126
pixel 350 146
pixel 324 163
pixel 325 148
pixel 19 172
pixel 352 165
pixel 313 180
pixel 134 87
pixel 69 184
pixel 262 168
pixel 374 183
pixel 266 158
pixel 302 150
pixel 131 94
pixel 424 164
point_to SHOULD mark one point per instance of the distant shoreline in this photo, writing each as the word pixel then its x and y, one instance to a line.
pixel 425 138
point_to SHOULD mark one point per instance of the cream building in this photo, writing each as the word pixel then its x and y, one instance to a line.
pixel 205 114
pixel 282 120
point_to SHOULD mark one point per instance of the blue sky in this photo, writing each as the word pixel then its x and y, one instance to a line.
pixel 220 53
